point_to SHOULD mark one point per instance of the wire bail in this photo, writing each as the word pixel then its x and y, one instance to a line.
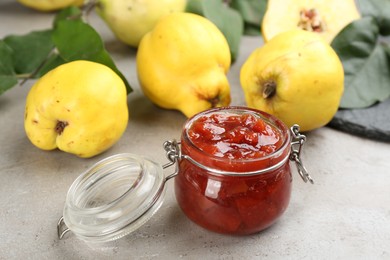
pixel 173 154
pixel 62 229
pixel 296 148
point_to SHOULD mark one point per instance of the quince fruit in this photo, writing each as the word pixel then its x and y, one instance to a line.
pixel 297 77
pixel 130 20
pixel 79 107
pixel 326 17
pixel 182 64
pixel 50 5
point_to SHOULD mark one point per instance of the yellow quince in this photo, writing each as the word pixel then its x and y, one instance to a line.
pixel 79 107
pixel 297 77
pixel 325 17
pixel 130 20
pixel 182 64
pixel 50 5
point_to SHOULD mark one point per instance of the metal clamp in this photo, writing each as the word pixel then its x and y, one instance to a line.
pixel 62 229
pixel 296 148
pixel 173 154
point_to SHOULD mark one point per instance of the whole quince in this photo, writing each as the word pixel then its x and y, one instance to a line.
pixel 297 77
pixel 325 17
pixel 50 5
pixel 182 64
pixel 79 107
pixel 130 20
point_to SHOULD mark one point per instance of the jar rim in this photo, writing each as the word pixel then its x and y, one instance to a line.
pixel 275 122
pixel 78 186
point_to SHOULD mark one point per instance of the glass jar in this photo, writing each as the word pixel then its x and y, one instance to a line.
pixel 239 194
pixel 234 195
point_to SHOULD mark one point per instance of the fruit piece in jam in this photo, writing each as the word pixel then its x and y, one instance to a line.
pixel 241 142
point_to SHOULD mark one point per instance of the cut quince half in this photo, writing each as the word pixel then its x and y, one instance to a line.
pixel 326 17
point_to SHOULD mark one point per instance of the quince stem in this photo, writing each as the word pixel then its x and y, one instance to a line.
pixel 87 8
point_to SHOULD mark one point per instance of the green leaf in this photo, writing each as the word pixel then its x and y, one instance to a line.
pixel 195 7
pixel 228 20
pixel 380 10
pixel 252 12
pixel 76 40
pixel 387 50
pixel 366 66
pixel 7 75
pixel 30 50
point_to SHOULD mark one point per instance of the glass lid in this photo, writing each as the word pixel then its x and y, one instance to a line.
pixel 113 198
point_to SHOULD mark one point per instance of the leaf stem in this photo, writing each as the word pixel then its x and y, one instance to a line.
pixel 27 76
pixel 23 76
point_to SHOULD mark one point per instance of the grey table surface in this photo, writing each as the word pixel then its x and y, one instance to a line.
pixel 344 215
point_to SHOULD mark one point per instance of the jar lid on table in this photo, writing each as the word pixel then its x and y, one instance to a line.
pixel 113 198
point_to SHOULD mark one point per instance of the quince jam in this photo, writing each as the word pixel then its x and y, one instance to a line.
pixel 234 176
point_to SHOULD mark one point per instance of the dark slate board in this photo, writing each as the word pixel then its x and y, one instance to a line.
pixel 372 122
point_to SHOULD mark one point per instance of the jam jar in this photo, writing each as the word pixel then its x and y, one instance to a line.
pixel 231 175
pixel 234 176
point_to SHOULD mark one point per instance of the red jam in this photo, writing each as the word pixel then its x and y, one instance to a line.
pixel 241 181
pixel 234 137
